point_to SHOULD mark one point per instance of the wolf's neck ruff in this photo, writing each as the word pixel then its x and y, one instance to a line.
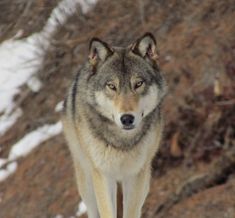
pixel 106 130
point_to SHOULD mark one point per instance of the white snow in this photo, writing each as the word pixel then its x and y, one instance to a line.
pixel 59 106
pixel 26 145
pixel 34 84
pixel 21 59
pixel 86 5
pixel 33 139
pixel 81 209
pixel 10 169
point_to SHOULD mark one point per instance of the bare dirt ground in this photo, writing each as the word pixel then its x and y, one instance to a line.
pixel 193 174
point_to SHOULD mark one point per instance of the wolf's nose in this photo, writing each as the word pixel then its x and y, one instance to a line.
pixel 127 119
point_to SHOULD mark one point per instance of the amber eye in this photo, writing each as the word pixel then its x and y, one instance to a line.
pixel 111 86
pixel 139 84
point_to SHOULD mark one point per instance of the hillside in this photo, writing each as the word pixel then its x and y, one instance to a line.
pixel 193 173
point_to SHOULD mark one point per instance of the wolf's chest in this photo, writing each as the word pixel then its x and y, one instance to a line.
pixel 118 163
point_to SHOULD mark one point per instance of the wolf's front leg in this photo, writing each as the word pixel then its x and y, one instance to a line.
pixel 106 191
pixel 135 189
pixel 84 182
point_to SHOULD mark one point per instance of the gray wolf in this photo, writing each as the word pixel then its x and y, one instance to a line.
pixel 113 125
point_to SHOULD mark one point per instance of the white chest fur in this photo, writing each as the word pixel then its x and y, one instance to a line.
pixel 118 163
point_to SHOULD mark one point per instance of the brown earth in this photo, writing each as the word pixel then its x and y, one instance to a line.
pixel 193 174
pixel 213 202
pixel 26 16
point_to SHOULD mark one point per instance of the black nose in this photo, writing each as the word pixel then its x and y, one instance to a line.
pixel 127 119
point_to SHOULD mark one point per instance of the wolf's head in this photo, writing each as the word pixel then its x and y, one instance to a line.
pixel 124 85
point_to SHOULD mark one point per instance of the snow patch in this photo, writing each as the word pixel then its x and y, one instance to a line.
pixel 59 106
pixel 17 63
pixel 34 84
pixel 81 209
pixel 86 5
pixel 33 139
pixel 10 169
pixel 26 145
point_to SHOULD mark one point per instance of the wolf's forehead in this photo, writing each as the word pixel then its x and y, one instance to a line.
pixel 119 60
pixel 121 63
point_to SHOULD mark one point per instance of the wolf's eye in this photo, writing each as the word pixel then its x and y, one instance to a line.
pixel 111 86
pixel 139 84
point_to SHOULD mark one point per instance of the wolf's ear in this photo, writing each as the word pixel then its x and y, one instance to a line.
pixel 98 51
pixel 146 47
